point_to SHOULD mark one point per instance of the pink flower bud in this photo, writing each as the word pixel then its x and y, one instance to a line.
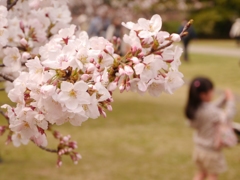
pixel 9 140
pixel 110 49
pixel 114 39
pixel 91 68
pixel 47 68
pixel 85 77
pixel 135 60
pixel 119 40
pixel 109 107
pixel 78 156
pixel 100 57
pixel 72 144
pixel 128 86
pixel 25 56
pixel 175 37
pixel 22 26
pixel 2 130
pixel 102 112
pixel 140 55
pixel 134 49
pixel 59 162
pixel 56 134
pixel 92 60
pixel 112 86
pixel 128 70
pixel 110 99
pixel 122 88
pixel 66 138
pixel 97 66
pixel 121 71
pixel 55 83
pixel 106 51
pixel 23 42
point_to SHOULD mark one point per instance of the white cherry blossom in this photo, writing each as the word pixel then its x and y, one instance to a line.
pixel 150 27
pixel 173 81
pixel 63 76
pixel 3 36
pixel 73 95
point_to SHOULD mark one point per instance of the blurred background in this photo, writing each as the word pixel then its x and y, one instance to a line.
pixel 144 138
pixel 213 18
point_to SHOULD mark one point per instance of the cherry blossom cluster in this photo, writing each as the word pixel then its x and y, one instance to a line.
pixel 67 84
pixel 27 26
pixel 152 63
pixel 61 75
pixel 75 76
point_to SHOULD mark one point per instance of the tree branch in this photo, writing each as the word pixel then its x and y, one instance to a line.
pixel 10 5
pixel 6 77
pixel 48 149
pixel 185 28
pixel 2 89
pixel 2 65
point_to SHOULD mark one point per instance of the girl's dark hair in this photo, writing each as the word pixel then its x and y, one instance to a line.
pixel 198 85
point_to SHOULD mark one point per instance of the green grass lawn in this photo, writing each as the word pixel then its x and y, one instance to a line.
pixel 230 43
pixel 144 138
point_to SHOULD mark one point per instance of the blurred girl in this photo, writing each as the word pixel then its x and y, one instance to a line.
pixel 204 116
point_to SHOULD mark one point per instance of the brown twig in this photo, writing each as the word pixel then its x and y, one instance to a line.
pixel 2 65
pixel 10 5
pixel 48 149
pixel 9 2
pixel 185 28
pixel 6 77
pixel 2 89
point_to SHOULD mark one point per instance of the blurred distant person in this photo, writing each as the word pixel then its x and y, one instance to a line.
pixel 79 18
pixel 99 24
pixel 206 117
pixel 115 29
pixel 235 31
pixel 186 39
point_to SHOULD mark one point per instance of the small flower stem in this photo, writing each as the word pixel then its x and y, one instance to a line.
pixel 48 149
pixel 185 28
pixel 161 47
pixel 6 77
pixel 11 4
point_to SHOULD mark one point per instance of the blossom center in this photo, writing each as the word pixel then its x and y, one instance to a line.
pixel 73 93
pixel 14 57
pixel 148 67
pixel 151 28
pixel 85 107
pixel 83 59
